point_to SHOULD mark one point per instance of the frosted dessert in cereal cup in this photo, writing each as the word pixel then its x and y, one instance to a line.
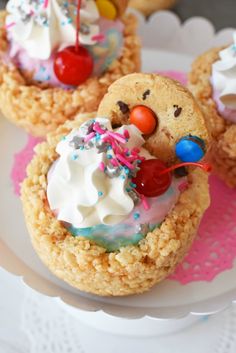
pixel 57 58
pixel 113 201
pixel 213 82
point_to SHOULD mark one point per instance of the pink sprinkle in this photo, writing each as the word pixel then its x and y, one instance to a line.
pixel 107 139
pixel 9 25
pixel 117 136
pixel 132 158
pixel 124 161
pixel 46 3
pixel 99 38
pixel 184 186
pixel 114 162
pixel 135 151
pixel 97 128
pixel 126 134
pixel 89 137
pixel 102 166
pixel 145 203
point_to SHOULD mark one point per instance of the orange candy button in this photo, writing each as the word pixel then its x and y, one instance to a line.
pixel 144 119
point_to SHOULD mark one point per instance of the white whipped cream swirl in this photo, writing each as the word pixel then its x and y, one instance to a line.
pixel 224 76
pixel 79 192
pixel 40 26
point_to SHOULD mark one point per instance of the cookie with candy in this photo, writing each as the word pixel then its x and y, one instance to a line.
pixel 113 200
pixel 57 58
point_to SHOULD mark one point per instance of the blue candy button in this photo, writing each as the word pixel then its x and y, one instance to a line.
pixel 190 149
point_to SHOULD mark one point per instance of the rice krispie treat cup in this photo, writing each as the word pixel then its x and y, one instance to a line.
pixel 148 7
pixel 113 201
pixel 48 74
pixel 213 82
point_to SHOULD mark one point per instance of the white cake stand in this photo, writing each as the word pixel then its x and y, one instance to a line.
pixel 167 307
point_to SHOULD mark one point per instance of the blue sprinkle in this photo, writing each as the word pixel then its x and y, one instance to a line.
pixel 234 47
pixel 128 189
pixel 132 185
pixel 100 193
pixel 138 161
pixel 126 170
pixel 136 215
pixel 97 137
pixel 109 147
pixel 74 157
pixel 63 138
pixel 122 177
pixel 81 148
pixel 42 68
pixel 109 156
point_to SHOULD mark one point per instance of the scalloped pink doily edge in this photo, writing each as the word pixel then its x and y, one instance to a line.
pixel 214 249
pixel 21 160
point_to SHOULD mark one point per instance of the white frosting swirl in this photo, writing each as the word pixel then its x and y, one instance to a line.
pixel 224 76
pixel 83 195
pixel 40 27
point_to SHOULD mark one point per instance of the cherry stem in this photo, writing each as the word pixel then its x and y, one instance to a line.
pixel 205 166
pixel 77 26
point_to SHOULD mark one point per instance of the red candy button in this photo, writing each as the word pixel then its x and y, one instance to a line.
pixel 144 119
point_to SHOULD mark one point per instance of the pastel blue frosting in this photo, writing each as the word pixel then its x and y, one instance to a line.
pixel 111 237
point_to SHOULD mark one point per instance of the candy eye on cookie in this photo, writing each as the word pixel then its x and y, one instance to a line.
pixel 144 119
pixel 190 148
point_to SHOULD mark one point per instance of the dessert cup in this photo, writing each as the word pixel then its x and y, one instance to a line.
pixel 40 106
pixel 220 118
pixel 136 267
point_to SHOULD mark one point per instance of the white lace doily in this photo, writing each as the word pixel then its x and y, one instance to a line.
pixel 52 330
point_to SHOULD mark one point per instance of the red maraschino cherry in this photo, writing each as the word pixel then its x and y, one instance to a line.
pixel 154 178
pixel 148 180
pixel 74 64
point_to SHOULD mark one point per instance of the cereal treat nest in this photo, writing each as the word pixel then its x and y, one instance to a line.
pixel 87 266
pixel 222 153
pixel 40 109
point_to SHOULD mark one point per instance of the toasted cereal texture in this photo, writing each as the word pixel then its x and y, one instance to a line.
pixel 87 266
pixel 222 152
pixel 39 109
pixel 177 112
pixel 121 6
pixel 148 7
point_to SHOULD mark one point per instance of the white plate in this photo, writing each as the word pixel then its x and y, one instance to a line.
pixel 167 300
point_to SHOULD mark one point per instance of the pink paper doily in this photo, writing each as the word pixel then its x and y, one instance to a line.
pixel 21 160
pixel 214 249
